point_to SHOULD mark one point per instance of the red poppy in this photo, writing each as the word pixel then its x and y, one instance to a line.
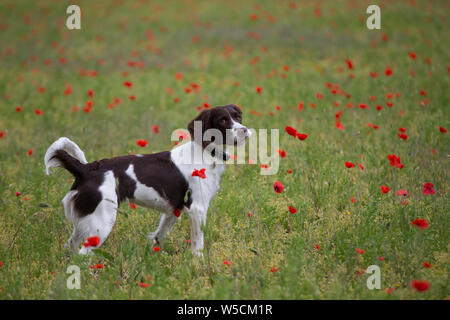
pixel 258 89
pixel 227 262
pixel 38 112
pixel 278 187
pixel 143 284
pixel 412 55
pixel 420 285
pixel 199 173
pixel 282 153
pixel 395 161
pixel 2 134
pixel 30 152
pixel 388 72
pixel 92 242
pixel 401 129
pixel 421 223
pixel 349 164
pixel 18 193
pixel 141 143
pixel 317 246
pixel 363 106
pixel 132 206
pixel 428 188
pixel 302 136
pixel 349 63
pixel 155 128
pixel 291 131
pixel 360 251
pixel 403 136
pixel 18 109
pixel 128 84
pixel 90 93
pixel 427 264
pixel 385 189
pixel 292 210
pixel 177 212
pixel 273 270
pixel 156 249
pixel 352 200
pixel 402 193
pixel 361 166
pixel 442 129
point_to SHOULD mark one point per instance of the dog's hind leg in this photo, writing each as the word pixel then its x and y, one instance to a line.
pixel 100 222
pixel 166 224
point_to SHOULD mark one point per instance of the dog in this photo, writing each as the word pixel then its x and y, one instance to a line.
pixel 184 179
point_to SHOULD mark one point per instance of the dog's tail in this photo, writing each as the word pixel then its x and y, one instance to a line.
pixel 65 153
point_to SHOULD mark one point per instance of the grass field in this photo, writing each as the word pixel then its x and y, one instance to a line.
pixel 314 60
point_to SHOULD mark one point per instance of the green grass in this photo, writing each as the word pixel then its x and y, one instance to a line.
pixel 33 229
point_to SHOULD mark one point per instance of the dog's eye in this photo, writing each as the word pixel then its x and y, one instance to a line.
pixel 223 120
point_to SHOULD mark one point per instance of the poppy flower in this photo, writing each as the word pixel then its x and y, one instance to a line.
pixel 363 106
pixel 273 270
pixel 380 258
pixel 30 152
pixel 291 131
pixel 292 210
pixel 349 164
pixel 18 193
pixel 18 109
pixel 360 251
pixel 132 206
pixel 155 128
pixel 302 136
pixel 177 212
pixel 90 93
pixel 395 161
pixel 39 112
pixel 92 242
pixel 361 166
pixel 141 143
pixel 99 266
pixel 227 262
pixel 352 200
pixel 128 84
pixel 426 264
pixel 2 134
pixel 199 173
pixel 421 223
pixel 442 129
pixel 402 193
pixel 282 153
pixel 412 55
pixel 403 136
pixel 428 189
pixel 143 284
pixel 385 189
pixel 156 249
pixel 278 187
pixel 317 246
pixel 388 72
pixel 349 63
pixel 420 285
pixel 258 89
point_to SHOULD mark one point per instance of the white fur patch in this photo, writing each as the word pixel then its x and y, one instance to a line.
pixel 67 145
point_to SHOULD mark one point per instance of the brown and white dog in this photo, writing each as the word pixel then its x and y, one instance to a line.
pixel 167 181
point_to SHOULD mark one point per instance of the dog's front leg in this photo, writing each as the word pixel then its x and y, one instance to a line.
pixel 197 217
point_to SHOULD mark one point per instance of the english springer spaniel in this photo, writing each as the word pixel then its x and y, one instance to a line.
pixel 183 179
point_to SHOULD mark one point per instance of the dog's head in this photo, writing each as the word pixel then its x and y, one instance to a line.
pixel 224 119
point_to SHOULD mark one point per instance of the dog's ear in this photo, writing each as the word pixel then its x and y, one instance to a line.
pixel 234 107
pixel 205 118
